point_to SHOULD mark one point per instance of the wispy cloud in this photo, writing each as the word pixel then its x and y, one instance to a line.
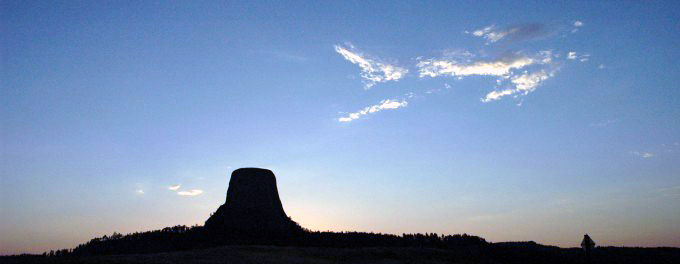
pixel 644 155
pixel 516 73
pixel 515 33
pixel 489 33
pixel 437 90
pixel 139 191
pixel 671 147
pixel 436 67
pixel 522 84
pixel 387 104
pixel 509 81
pixel 372 70
pixel 194 192
pixel 577 25
pixel 174 187
pixel 582 57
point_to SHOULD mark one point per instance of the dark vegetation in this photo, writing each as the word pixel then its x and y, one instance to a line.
pixel 193 244
pixel 179 238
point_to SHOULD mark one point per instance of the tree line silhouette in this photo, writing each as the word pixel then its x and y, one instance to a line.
pixel 180 237
pixel 183 238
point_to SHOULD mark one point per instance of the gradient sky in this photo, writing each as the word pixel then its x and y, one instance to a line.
pixel 509 121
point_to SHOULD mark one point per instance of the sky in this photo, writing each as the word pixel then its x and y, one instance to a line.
pixel 513 121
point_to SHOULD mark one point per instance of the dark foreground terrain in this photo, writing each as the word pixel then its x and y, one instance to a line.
pixel 498 253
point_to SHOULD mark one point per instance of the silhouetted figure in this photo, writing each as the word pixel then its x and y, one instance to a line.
pixel 588 245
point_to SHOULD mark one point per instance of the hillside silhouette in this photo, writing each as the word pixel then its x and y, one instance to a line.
pixel 253 220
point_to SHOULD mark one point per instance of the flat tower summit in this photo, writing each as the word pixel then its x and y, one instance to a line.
pixel 252 209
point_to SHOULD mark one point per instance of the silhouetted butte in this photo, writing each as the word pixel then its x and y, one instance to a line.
pixel 252 210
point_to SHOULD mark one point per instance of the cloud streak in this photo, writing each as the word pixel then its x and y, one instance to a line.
pixel 644 155
pixel 174 187
pixel 437 67
pixel 372 71
pixel 522 84
pixel 582 57
pixel 515 33
pixel 387 104
pixel 509 81
pixel 194 192
pixel 516 74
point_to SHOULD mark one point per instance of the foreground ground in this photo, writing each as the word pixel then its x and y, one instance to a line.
pixel 271 254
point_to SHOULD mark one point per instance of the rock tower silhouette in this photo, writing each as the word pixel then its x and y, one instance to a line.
pixel 252 210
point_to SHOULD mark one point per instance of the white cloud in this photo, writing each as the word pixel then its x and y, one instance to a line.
pixel 571 55
pixel 547 56
pixel 436 67
pixel 515 33
pixel 174 187
pixel 387 104
pixel 644 155
pixel 577 24
pixel 521 84
pixel 539 68
pixel 582 57
pixel 139 191
pixel 372 71
pixel 193 192
pixel 601 67
pixel 492 35
pixel 481 32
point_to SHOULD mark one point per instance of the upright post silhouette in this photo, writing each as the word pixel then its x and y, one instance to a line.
pixel 588 245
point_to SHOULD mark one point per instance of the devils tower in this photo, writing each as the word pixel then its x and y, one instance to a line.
pixel 252 210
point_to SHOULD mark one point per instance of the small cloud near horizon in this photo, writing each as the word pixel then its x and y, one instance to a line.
pixel 174 187
pixel 194 192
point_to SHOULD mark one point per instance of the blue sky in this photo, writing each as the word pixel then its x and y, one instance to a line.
pixel 511 121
